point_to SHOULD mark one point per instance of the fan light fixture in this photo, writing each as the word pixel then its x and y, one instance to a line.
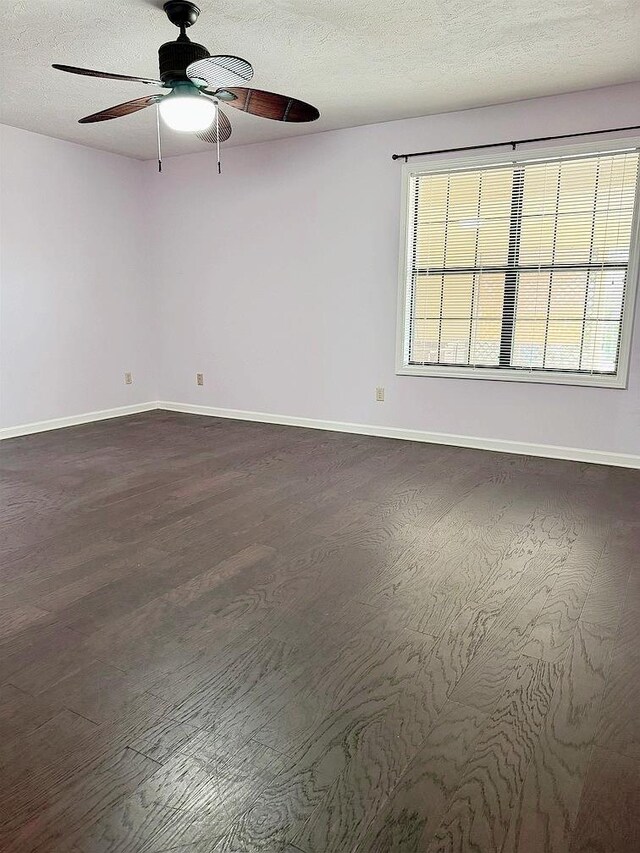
pixel 187 111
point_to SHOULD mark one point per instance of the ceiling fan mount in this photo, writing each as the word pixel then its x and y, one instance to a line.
pixel 182 13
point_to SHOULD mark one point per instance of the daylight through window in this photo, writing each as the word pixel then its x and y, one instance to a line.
pixel 520 267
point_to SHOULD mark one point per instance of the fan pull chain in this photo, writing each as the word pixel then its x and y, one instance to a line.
pixel 218 137
pixel 158 135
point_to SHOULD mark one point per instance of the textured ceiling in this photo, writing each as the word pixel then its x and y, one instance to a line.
pixel 358 61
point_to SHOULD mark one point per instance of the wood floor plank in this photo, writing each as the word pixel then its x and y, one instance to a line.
pixel 96 691
pixel 15 619
pixel 385 749
pixel 59 734
pixel 80 803
pixel 360 673
pixel 491 668
pixel 235 782
pixel 605 599
pixel 53 664
pixel 290 799
pixel 414 809
pixel 340 820
pixel 478 815
pixel 380 675
pixel 40 777
pixel 609 807
pixel 28 647
pixel 544 816
pixel 552 634
pixel 21 713
pixel 619 728
pixel 162 739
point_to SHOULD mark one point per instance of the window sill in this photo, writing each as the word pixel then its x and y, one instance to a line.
pixel 507 375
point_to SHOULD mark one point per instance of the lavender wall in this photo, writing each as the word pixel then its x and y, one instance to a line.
pixel 278 280
pixel 74 288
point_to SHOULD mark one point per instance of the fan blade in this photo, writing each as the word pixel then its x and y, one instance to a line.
pixel 220 71
pixel 224 126
pixel 87 72
pixel 270 105
pixel 122 109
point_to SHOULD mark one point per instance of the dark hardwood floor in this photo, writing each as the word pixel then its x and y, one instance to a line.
pixel 227 637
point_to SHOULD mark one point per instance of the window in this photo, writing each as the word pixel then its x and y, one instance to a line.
pixel 523 270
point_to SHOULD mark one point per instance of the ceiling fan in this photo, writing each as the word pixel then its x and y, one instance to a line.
pixel 198 83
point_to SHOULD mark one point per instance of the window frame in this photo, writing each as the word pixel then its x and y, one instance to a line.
pixel 510 374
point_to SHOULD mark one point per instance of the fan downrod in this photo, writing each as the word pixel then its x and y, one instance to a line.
pixel 182 13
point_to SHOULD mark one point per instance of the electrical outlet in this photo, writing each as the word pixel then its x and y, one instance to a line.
pixel 379 394
pixel 199 378
pixel 128 379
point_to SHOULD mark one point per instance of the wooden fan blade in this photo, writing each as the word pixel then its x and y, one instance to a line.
pixel 270 105
pixel 87 72
pixel 220 71
pixel 224 126
pixel 122 109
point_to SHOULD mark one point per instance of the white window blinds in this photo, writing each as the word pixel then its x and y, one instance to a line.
pixel 520 266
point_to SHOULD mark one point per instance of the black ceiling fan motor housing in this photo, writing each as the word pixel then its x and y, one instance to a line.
pixel 175 56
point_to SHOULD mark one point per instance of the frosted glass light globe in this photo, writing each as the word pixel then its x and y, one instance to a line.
pixel 187 112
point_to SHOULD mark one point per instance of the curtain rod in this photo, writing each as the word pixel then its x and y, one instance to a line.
pixel 512 143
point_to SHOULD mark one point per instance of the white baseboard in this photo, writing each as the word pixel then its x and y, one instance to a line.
pixel 75 420
pixel 575 454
